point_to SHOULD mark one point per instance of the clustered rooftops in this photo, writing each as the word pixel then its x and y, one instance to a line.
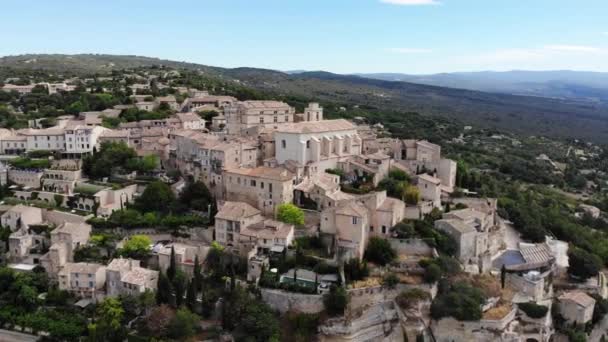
pixel 316 127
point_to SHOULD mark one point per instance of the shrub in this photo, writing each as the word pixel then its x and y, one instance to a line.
pixel 412 195
pixel 390 280
pixel 533 310
pixel 432 273
pixel 354 269
pixel 379 251
pixel 461 301
pixel 27 163
pixel 399 175
pixel 409 297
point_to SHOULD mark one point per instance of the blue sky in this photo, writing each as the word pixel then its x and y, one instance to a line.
pixel 344 36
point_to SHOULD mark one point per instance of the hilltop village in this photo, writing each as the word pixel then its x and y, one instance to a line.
pixel 213 216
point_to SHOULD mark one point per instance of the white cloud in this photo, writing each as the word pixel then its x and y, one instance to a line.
pixel 572 48
pixel 411 2
pixel 409 50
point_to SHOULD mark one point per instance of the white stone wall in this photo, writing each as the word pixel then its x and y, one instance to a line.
pixel 25 177
pixel 284 301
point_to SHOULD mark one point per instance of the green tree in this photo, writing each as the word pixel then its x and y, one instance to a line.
pixel 163 289
pixel 197 275
pixel 460 301
pixel 27 297
pixel 111 156
pixel 399 175
pixel 137 247
pixel 260 322
pixel 183 325
pixel 291 214
pixel 146 301
pixel 432 273
pixel 533 310
pixel 156 197
pixel 191 296
pixel 335 301
pixel 379 251
pixel 197 196
pixel 179 287
pixel 58 200
pixel 172 269
pixel 583 264
pixel 108 324
pixel 412 195
pixel 208 115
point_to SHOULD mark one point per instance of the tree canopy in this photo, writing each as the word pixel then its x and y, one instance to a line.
pixel 157 197
pixel 137 247
pixel 583 264
pixel 115 155
pixel 291 214
pixel 461 301
pixel 335 301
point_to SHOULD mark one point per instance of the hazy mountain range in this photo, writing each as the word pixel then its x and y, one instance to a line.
pixel 581 85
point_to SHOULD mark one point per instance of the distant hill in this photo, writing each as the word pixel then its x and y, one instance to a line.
pixel 531 115
pixel 578 85
pixel 88 63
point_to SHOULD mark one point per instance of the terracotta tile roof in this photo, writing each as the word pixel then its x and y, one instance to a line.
pixel 235 211
pixel 82 267
pixel 458 225
pixel 578 297
pixel 428 178
pixel 264 104
pixel 317 127
pixel 268 229
pixel 352 208
pixel 323 180
pixel 391 204
pixel 188 117
pixel 141 276
pixel 272 173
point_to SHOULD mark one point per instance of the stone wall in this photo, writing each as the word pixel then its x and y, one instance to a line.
pixel 377 323
pixel 284 301
pixel 412 247
pixel 59 217
pixel 368 296
pixel 359 299
pixel 451 330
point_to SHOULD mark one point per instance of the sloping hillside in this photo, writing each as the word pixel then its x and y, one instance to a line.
pixel 521 114
pixel 574 85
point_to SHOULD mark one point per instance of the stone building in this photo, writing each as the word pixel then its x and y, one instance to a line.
pixel 263 187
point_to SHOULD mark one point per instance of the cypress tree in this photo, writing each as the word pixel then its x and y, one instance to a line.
pixel 163 290
pixel 179 287
pixel 197 277
pixel 172 268
pixel 191 296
